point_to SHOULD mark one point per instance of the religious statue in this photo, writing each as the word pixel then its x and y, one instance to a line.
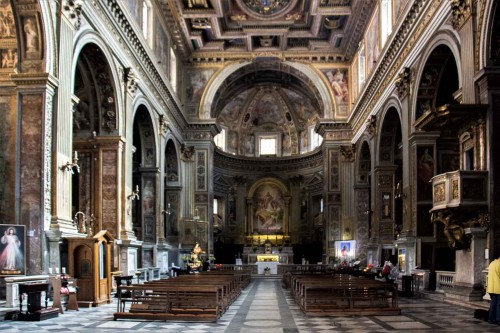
pixel 455 233
pixel 195 262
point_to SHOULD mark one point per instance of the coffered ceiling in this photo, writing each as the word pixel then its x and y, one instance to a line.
pixel 311 30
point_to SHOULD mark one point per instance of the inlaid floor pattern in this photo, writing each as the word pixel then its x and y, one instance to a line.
pixel 265 307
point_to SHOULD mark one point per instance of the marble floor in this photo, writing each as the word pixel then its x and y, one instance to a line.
pixel 265 307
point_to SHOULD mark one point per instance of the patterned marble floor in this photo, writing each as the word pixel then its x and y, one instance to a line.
pixel 265 307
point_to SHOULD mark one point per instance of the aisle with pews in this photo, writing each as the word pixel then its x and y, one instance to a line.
pixel 264 306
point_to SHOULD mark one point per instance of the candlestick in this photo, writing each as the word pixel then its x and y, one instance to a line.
pixel 63 270
pixel 57 270
pixel 76 154
pixel 50 270
pixel 137 188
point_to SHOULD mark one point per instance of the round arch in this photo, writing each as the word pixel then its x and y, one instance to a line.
pixel 490 24
pixel 87 38
pixel 447 38
pixel 218 79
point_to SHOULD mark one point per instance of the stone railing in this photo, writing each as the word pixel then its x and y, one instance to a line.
pixel 444 280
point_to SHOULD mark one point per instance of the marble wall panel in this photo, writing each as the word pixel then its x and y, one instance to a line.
pixel 109 191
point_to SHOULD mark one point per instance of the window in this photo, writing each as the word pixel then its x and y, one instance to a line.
pixel 316 139
pixel 173 69
pixel 386 19
pixel 220 139
pixel 321 205
pixel 361 68
pixel 216 207
pixel 146 21
pixel 267 145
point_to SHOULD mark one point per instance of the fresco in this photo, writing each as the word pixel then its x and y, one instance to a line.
pixel 339 82
pixel 372 43
pixel 195 84
pixel 268 209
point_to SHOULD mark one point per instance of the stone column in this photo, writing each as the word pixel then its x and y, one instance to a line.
pixel 463 23
pixel 33 206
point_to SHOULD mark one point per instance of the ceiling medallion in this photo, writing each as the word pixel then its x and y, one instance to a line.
pixel 266 8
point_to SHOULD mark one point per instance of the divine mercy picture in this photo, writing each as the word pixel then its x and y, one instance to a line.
pixel 12 249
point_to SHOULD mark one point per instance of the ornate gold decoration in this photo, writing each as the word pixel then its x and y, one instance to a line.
pixel 187 153
pixel 201 23
pixel 453 231
pixel 460 11
pixel 347 153
pixel 241 17
pixel 403 82
pixel 439 193
pixel 454 189
pixel 198 3
pixel 371 125
pixel 293 17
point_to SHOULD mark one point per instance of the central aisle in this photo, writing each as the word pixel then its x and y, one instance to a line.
pixel 263 309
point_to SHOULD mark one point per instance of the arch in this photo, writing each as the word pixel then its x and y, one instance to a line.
pixel 490 35
pixel 363 166
pixel 218 81
pixel 388 135
pixel 443 39
pixel 88 38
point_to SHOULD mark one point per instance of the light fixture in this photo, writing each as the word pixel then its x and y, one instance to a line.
pixel 167 211
pixel 398 192
pixel 84 224
pixel 71 166
pixel 135 194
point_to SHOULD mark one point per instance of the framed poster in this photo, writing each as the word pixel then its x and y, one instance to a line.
pixel 12 249
pixel 345 250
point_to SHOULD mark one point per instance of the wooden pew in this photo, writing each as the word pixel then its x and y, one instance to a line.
pixel 342 294
pixel 195 297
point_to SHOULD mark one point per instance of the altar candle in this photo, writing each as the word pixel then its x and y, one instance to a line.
pixel 50 270
pixel 63 270
pixel 76 154
pixel 137 188
pixel 57 270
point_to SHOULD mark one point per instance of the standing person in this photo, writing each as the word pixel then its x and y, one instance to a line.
pixel 494 290
pixel 11 255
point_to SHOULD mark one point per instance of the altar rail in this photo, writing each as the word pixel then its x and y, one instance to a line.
pixel 282 268
pixel 444 281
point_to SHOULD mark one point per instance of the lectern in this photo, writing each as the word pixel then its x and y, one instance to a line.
pixel 89 261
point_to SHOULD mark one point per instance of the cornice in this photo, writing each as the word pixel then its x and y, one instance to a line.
pixel 389 66
pixel 114 13
pixel 201 131
pixel 261 164
pixel 307 57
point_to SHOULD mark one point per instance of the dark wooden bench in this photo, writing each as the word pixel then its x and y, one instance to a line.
pixel 342 294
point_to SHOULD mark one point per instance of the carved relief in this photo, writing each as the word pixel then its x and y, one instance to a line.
pixel 201 171
pixel 73 8
pixel 187 153
pixel 403 82
pixel 439 193
pixel 162 120
pixel 130 80
pixel 334 171
pixel 31 37
pixel 371 125
pixel 347 153
pixel 384 180
pixel 460 11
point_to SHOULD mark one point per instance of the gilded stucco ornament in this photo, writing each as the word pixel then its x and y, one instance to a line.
pixel 460 11
pixel 347 153
pixel 403 82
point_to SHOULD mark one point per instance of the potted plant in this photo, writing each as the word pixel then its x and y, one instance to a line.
pixel 267 271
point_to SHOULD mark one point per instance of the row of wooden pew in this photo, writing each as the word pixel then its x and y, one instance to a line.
pixel 194 297
pixel 333 294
